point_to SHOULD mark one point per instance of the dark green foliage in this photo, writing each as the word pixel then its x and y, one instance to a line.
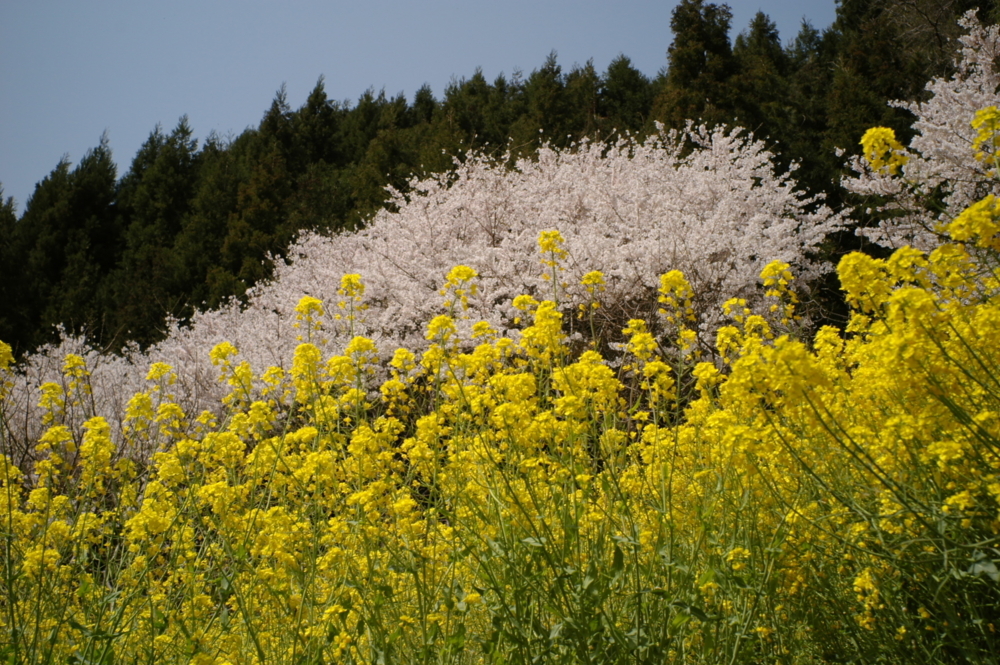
pixel 582 91
pixel 762 78
pixel 626 97
pixel 11 264
pixel 67 241
pixel 870 68
pixel 477 115
pixel 154 202
pixel 547 111
pixel 700 76
pixel 188 228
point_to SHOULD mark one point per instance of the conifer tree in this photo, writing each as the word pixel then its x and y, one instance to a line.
pixel 810 61
pixel 762 66
pixel 199 242
pixel 424 105
pixel 155 202
pixel 582 90
pixel 314 130
pixel 11 268
pixel 626 95
pixel 466 111
pixel 475 115
pixel 546 109
pixel 68 241
pixel 698 84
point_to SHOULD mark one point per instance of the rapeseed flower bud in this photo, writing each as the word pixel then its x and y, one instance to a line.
pixel 736 309
pixel 987 141
pixel 403 362
pixel 676 294
pixel 40 561
pixel 594 282
pixel 551 243
pixel 222 352
pixel 458 281
pixel 309 316
pixel 641 342
pixel 980 223
pixel 53 402
pixel 658 381
pixel 162 372
pixel 351 286
pixel 481 329
pixel 525 303
pixel 351 304
pixel 883 151
pixel 75 366
pixel 309 308
pixel 777 277
pixel 737 557
pixel 96 452
pixel 6 356
pixel 441 329
pixel 306 373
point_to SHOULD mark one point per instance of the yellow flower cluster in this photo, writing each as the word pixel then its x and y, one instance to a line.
pixel 550 243
pixel 777 277
pixel 883 151
pixel 459 283
pixel 351 305
pixel 987 141
pixel 980 223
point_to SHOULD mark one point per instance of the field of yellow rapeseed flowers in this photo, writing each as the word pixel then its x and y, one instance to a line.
pixel 518 499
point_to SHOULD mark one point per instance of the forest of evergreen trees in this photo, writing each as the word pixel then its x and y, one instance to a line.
pixel 190 225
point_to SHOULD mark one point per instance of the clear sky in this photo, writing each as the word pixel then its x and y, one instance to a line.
pixel 73 69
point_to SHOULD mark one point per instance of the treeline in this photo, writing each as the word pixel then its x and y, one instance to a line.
pixel 189 226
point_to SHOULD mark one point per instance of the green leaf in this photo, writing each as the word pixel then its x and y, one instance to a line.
pixel 984 566
pixel 679 620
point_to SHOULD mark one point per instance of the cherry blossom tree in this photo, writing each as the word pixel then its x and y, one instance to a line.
pixel 706 202
pixel 935 179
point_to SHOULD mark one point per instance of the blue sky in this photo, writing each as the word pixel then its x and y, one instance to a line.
pixel 71 70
